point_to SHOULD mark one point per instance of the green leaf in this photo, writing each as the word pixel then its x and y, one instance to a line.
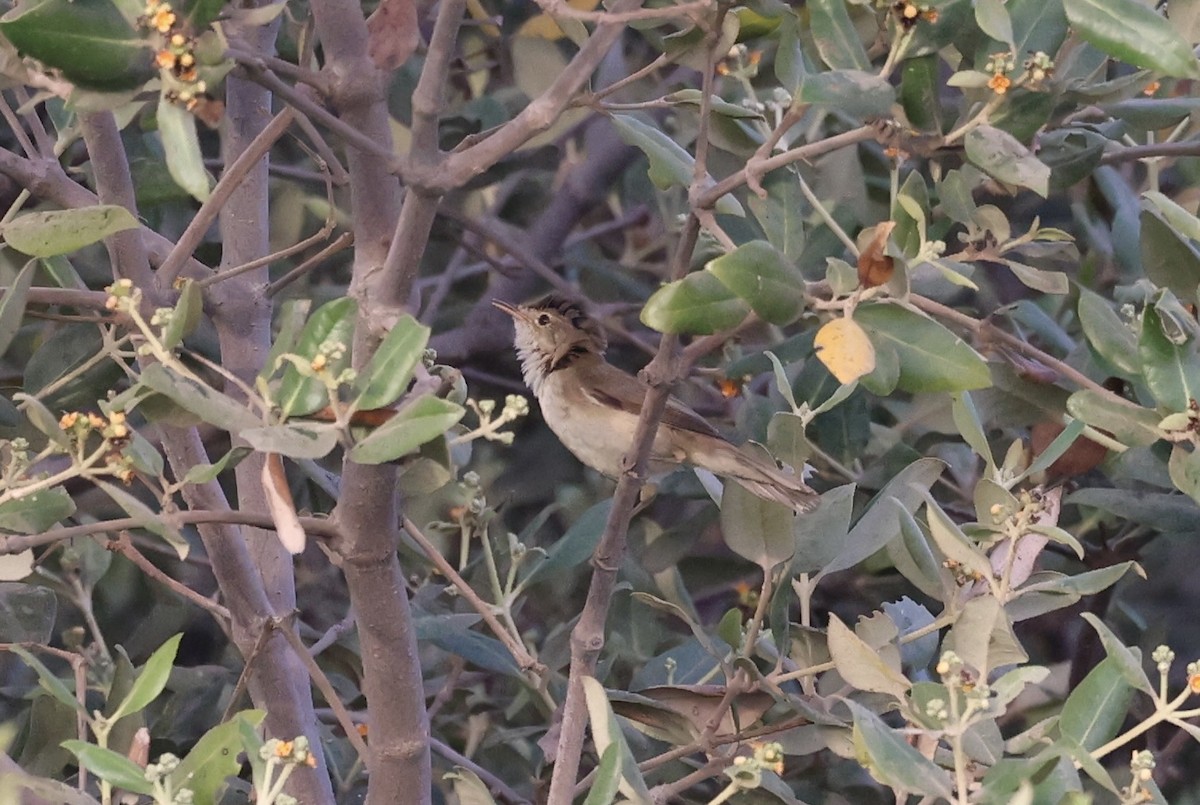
pixel 790 67
pixel 418 422
pixel 203 473
pixel 931 357
pixel 295 439
pixel 835 35
pixel 33 514
pixel 1170 261
pixel 970 425
pixel 764 279
pixel 971 636
pixel 1108 334
pixel 214 758
pixel 453 633
pixel 12 306
pixel 151 680
pixel 1003 157
pixel 575 546
pixel 51 683
pixel 386 375
pixel 952 542
pixel 861 664
pixel 1134 33
pixel 916 560
pixel 90 41
pixel 1184 468
pixel 106 764
pixel 45 234
pixel 920 87
pixel 1167 512
pixel 1172 371
pixel 41 418
pixel 607 732
pixel 880 524
pixel 1038 279
pixel 670 164
pixel 1095 709
pixel 1037 25
pixel 26 612
pixel 993 19
pixel 756 529
pixel 332 323
pixel 852 92
pixel 468 788
pixel 892 761
pixel 150 520
pixel 699 304
pixel 781 213
pixel 200 399
pixel 607 781
pixel 821 536
pixel 1175 216
pixel 693 97
pixel 186 316
pixel 289 323
pixel 1128 422
pixel 181 146
pixel 1128 660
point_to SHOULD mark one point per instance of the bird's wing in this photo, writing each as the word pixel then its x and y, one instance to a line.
pixel 626 392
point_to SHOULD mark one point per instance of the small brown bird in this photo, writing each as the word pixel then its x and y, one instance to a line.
pixel 593 407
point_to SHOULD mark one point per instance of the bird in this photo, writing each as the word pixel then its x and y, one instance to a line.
pixel 593 407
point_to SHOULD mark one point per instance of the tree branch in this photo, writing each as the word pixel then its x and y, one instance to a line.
pixel 367 510
pixel 229 182
pixel 124 546
pixel 541 112
pixel 484 609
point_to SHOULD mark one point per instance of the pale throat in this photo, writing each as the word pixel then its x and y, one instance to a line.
pixel 537 364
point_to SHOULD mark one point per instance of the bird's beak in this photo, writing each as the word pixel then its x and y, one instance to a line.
pixel 511 310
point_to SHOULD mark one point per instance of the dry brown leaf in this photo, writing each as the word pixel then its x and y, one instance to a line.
pixel 875 267
pixel 281 506
pixel 393 33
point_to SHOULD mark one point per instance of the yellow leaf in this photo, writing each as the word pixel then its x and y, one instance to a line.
pixel 544 26
pixel 540 26
pixel 845 350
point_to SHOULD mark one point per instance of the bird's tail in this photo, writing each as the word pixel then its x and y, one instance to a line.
pixel 762 479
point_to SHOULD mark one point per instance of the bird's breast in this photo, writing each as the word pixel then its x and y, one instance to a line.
pixel 599 436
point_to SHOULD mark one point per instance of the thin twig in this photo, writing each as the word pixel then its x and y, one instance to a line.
pixel 17 129
pixel 540 113
pixel 558 8
pixel 19 542
pixel 344 241
pixel 317 113
pixel 124 546
pixel 523 658
pixel 28 110
pixel 587 637
pixel 225 187
pixel 239 690
pixel 988 330
pixel 326 687
pixel 1187 148
pixel 325 156
pixel 332 634
pixel 804 152
pixel 494 783
pixel 322 234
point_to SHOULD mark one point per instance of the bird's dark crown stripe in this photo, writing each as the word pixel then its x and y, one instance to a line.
pixel 564 307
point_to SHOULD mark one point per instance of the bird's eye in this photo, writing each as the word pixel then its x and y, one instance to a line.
pixel 543 319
